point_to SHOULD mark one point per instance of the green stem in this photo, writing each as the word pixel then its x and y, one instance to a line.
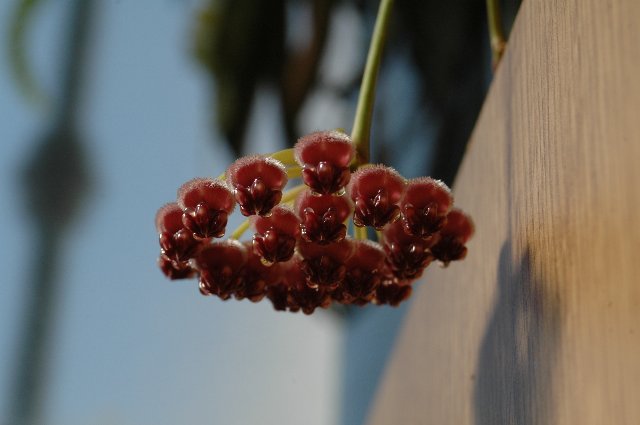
pixel 361 130
pixel 496 35
pixel 360 233
pixel 237 234
pixel 292 193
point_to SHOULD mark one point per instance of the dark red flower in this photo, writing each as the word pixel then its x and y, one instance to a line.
pixel 376 190
pixel 174 270
pixel 365 270
pixel 257 183
pixel 324 265
pixel 322 217
pixel 278 294
pixel 221 266
pixel 325 157
pixel 453 236
pixel 392 293
pixel 206 205
pixel 307 299
pixel 177 244
pixel 300 295
pixel 276 235
pixel 407 256
pixel 425 205
pixel 256 277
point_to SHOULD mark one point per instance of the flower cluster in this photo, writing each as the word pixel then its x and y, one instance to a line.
pixel 301 256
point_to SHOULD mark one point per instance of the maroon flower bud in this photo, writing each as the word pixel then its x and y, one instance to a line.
pixel 425 205
pixel 322 217
pixel 174 270
pixel 308 299
pixel 325 157
pixel 323 272
pixel 176 243
pixel 376 191
pixel 278 294
pixel 289 277
pixel 256 277
pixel 301 296
pixel 324 265
pixel 407 256
pixel 366 269
pixel 257 183
pixel 453 236
pixel 206 205
pixel 392 293
pixel 276 235
pixel 221 266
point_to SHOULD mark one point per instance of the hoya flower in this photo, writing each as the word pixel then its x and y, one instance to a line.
pixel 302 296
pixel 177 244
pixel 292 292
pixel 376 191
pixel 305 298
pixel 453 236
pixel 325 157
pixel 407 255
pixel 392 293
pixel 365 271
pixel 278 294
pixel 206 205
pixel 221 265
pixel 175 270
pixel 256 277
pixel 322 217
pixel 257 183
pixel 425 205
pixel 276 235
pixel 325 265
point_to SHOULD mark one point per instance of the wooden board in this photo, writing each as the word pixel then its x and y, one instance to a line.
pixel 541 323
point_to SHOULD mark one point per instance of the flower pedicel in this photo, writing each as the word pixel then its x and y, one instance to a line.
pixel 301 256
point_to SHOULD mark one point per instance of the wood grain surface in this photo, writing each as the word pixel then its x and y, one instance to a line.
pixel 541 323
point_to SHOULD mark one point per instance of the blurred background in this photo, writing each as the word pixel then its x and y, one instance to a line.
pixel 107 107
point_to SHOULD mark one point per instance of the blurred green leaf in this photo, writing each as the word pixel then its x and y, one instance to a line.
pixel 239 42
pixel 242 43
pixel 17 52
